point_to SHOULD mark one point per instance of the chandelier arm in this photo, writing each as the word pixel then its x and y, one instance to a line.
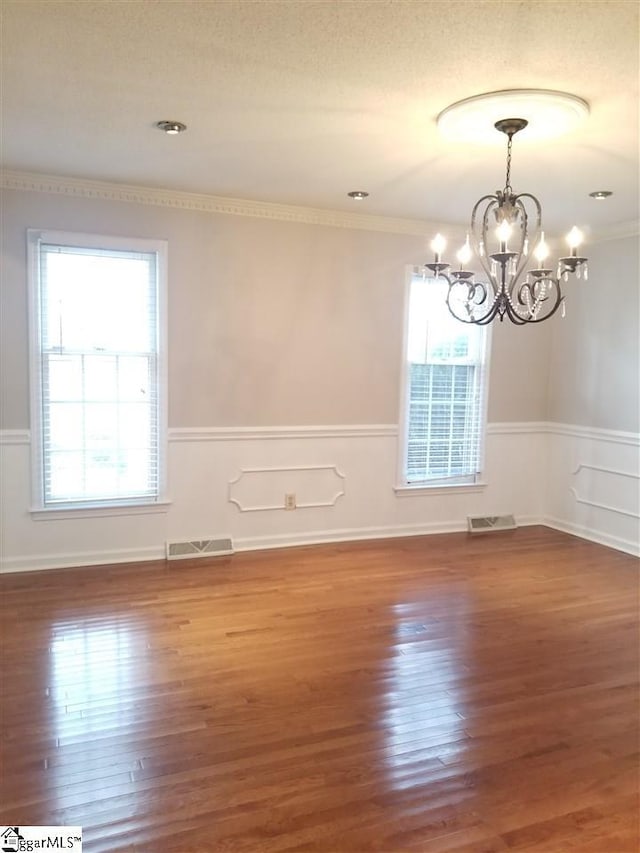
pixel 536 299
pixel 478 285
pixel 515 318
pixel 492 202
pixel 537 206
pixel 474 321
pixel 530 291
pixel 489 317
pixel 534 236
pixel 502 305
pixel 523 320
pixel 528 239
pixel 525 288
pixel 471 289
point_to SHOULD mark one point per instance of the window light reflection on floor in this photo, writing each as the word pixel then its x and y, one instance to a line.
pixel 92 689
pixel 422 718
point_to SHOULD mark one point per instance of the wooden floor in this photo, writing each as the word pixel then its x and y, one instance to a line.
pixel 436 694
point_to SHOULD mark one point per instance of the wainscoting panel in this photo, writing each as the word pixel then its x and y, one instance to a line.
pixel 617 490
pixel 593 485
pixel 232 482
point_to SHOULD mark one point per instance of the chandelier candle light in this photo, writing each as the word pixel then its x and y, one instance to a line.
pixel 510 290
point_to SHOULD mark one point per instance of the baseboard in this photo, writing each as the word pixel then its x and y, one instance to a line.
pixel 255 543
pixel 354 534
pixel 42 562
pixel 626 545
pixel 357 534
pixel 292 540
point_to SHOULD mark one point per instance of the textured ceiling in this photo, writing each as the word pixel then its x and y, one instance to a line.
pixel 299 102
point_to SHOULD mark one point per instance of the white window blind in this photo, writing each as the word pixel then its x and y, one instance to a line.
pixel 97 374
pixel 445 391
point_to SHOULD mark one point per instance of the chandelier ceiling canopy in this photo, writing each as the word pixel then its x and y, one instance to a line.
pixel 505 236
pixel 548 114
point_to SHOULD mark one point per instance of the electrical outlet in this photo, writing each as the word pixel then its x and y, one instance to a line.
pixel 289 501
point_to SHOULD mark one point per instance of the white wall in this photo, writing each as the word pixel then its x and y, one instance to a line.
pixel 593 468
pixel 594 359
pixel 272 323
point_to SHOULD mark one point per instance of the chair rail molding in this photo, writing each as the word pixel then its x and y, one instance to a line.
pixel 243 433
pixel 10 437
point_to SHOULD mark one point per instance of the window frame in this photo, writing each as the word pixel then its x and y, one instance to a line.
pixel 467 483
pixel 118 506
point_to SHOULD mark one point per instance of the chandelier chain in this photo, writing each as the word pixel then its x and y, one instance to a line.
pixel 507 186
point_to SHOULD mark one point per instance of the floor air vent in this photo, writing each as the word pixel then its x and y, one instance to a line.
pixel 199 548
pixel 487 523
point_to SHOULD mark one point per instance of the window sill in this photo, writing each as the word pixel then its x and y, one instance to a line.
pixel 55 513
pixel 453 489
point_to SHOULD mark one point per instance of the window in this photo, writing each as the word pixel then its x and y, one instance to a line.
pixel 98 408
pixel 445 391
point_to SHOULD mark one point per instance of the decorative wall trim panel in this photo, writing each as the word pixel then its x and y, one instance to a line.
pixel 586 467
pixel 613 487
pixel 107 191
pixel 269 489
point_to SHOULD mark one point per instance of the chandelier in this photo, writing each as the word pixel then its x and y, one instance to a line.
pixel 517 284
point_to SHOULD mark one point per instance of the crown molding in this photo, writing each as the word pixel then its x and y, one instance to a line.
pixel 179 200
pixel 107 191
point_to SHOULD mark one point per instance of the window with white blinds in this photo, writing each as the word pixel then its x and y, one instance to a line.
pixel 445 390
pixel 97 369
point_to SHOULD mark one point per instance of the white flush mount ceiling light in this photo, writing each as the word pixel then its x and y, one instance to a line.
pixel 511 282
pixel 548 114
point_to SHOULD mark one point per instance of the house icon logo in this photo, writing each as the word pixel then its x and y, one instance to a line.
pixel 10 839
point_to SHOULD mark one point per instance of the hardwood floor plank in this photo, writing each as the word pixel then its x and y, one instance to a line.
pixel 448 694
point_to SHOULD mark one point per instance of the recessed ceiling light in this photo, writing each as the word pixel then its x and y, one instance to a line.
pixel 547 113
pixel 171 127
pixel 358 195
pixel 600 194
